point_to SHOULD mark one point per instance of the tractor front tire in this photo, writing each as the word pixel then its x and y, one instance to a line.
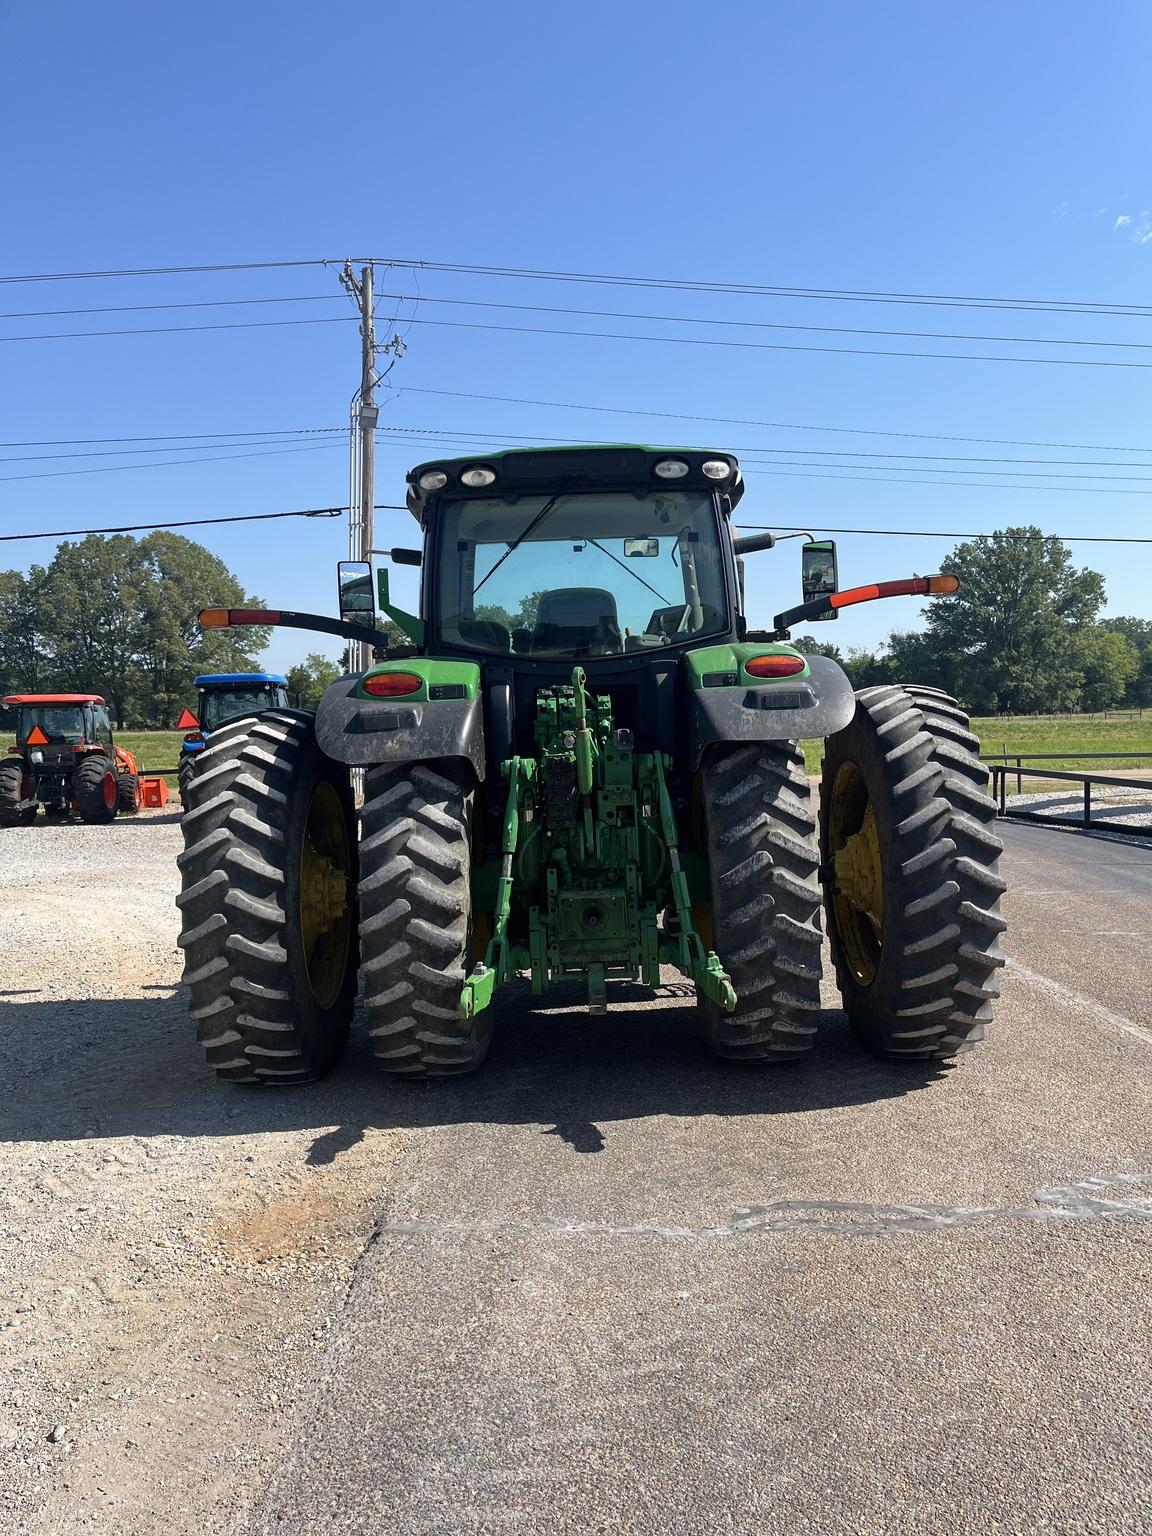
pixel 416 921
pixel 761 842
pixel 11 794
pixel 913 884
pixel 128 794
pixel 267 899
pixel 96 789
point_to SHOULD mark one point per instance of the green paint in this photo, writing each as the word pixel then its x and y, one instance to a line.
pixel 434 674
pixel 410 623
pixel 589 857
pixel 712 659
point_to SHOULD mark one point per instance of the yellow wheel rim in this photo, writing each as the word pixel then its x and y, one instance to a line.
pixel 857 873
pixel 325 908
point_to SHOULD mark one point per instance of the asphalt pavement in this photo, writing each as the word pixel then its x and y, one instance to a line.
pixel 618 1287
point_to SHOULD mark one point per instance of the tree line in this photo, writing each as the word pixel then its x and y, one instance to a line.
pixel 116 615
pixel 1023 635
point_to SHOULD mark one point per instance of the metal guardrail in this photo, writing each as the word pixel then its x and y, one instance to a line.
pixel 1001 771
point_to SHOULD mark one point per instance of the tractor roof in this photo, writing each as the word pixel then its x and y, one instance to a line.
pixel 238 679
pixel 583 467
pixel 53 698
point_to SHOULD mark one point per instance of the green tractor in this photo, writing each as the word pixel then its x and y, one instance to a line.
pixel 585 765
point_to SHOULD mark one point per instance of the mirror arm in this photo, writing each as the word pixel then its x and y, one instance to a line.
pixel 235 618
pixel 749 543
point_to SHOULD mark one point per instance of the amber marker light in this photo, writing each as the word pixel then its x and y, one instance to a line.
pixel 213 618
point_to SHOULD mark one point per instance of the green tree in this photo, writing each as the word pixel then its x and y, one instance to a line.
pixel 118 616
pixel 1138 633
pixel 309 679
pixel 23 658
pixel 813 647
pixel 181 577
pixel 1109 663
pixel 1008 638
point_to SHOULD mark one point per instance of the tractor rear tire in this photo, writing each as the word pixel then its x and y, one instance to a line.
pixel 185 772
pixel 11 794
pixel 761 839
pixel 416 921
pixel 268 882
pixel 96 790
pixel 128 794
pixel 918 976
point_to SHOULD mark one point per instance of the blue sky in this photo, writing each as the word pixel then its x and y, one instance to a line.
pixel 978 149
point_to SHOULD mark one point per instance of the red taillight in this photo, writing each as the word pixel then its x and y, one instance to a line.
pixel 776 665
pixel 194 737
pixel 391 685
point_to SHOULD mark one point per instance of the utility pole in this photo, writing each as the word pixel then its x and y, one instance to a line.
pixel 364 415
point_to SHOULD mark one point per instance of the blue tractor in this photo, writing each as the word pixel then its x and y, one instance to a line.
pixel 224 696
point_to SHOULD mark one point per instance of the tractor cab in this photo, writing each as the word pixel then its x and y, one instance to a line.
pixel 223 696
pixel 65 760
pixel 561 555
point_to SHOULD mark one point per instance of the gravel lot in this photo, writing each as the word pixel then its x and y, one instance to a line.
pixel 171 1251
pixel 607 1285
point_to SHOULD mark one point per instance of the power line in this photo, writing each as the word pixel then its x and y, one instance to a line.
pixel 113 469
pixel 190 522
pixel 974 485
pixel 536 330
pixel 170 437
pixel 225 266
pixel 623 280
pixel 171 330
pixel 129 309
pixel 756 346
pixel 783 426
pixel 929 533
pixel 765 325
pixel 853 295
pixel 546 309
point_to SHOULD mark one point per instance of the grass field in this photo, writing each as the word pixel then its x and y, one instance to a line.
pixel 152 749
pixel 1070 735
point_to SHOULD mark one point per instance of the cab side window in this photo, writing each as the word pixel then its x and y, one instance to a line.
pixel 103 729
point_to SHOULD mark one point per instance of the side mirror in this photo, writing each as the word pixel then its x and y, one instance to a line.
pixel 355 582
pixel 405 556
pixel 818 573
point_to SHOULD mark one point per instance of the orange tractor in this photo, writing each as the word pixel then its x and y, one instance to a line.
pixel 66 760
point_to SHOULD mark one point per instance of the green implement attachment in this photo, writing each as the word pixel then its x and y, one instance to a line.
pixel 590 843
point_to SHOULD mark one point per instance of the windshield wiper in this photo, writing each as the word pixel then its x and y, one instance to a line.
pixel 519 539
pixel 636 576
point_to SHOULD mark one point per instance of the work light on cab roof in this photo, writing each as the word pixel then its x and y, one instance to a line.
pixel 580 758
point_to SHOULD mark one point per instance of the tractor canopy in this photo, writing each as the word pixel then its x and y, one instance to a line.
pixel 224 695
pixel 577 552
pixel 61 719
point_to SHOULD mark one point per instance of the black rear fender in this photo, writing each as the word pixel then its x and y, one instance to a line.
pixel 365 733
pixel 817 705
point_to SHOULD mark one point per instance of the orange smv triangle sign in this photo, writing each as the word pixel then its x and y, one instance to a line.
pixel 187 721
pixel 36 738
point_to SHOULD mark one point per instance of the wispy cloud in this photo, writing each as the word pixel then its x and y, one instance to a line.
pixel 1136 227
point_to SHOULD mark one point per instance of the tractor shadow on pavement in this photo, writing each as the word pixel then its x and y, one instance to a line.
pixel 73 1070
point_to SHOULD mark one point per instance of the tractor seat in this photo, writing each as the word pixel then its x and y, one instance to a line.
pixel 582 620
pixel 486 632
